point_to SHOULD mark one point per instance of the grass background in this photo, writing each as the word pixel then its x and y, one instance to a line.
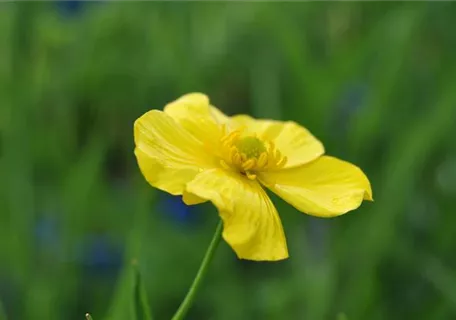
pixel 374 81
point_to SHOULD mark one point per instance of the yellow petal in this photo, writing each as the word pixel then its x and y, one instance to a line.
pixel 167 155
pixel 292 140
pixel 326 187
pixel 190 199
pixel 219 116
pixel 252 226
pixel 193 112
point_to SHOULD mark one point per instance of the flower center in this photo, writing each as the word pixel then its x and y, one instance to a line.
pixel 251 146
pixel 248 154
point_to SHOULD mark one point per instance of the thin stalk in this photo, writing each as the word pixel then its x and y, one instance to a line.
pixel 188 301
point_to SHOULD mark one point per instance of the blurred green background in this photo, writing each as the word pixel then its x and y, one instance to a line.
pixel 376 82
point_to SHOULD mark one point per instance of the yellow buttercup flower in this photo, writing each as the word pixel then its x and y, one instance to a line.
pixel 194 150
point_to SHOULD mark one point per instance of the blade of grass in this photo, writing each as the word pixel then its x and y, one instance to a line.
pixel 141 304
pixel 121 307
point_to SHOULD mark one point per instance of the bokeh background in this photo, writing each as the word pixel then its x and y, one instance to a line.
pixel 376 82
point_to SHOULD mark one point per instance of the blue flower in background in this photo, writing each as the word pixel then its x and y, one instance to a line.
pixel 98 253
pixel 176 209
pixel 70 7
pixel 100 256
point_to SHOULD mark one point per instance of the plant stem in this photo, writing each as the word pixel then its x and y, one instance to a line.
pixel 188 301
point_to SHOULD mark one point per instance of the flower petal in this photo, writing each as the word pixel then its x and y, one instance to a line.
pixel 292 140
pixel 252 226
pixel 193 112
pixel 326 187
pixel 167 155
pixel 190 199
pixel 219 116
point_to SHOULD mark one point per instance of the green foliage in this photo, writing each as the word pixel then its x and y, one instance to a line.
pixel 374 81
pixel 141 303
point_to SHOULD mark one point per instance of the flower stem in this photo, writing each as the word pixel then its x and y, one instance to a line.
pixel 188 301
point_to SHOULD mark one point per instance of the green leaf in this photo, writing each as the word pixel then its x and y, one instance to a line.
pixel 141 305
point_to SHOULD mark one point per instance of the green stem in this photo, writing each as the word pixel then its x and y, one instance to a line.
pixel 188 301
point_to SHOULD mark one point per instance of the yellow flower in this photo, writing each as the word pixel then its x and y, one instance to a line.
pixel 194 150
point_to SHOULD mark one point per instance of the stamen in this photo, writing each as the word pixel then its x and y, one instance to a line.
pixel 262 160
pixel 249 154
pixel 237 158
pixel 271 146
pixel 243 157
pixel 231 137
pixel 271 159
pixel 249 164
pixel 224 165
pixel 277 155
pixel 250 175
pixel 232 152
pixel 282 162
